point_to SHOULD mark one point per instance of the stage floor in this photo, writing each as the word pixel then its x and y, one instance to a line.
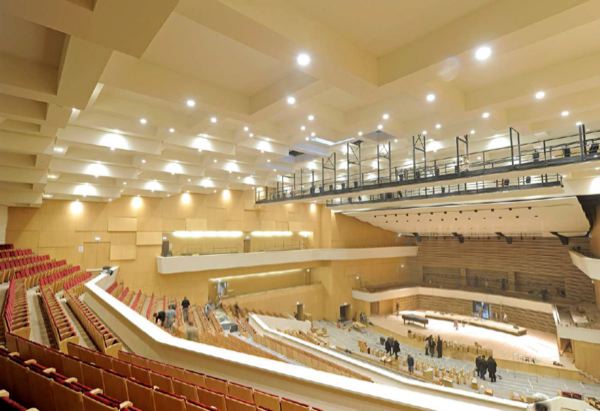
pixel 535 344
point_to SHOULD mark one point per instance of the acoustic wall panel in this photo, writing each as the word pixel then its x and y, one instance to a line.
pixel 122 224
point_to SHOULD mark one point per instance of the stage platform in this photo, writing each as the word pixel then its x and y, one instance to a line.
pixel 476 322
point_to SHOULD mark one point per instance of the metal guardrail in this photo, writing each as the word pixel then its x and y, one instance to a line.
pixel 574 148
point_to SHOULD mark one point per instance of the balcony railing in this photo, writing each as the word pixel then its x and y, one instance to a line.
pixel 386 173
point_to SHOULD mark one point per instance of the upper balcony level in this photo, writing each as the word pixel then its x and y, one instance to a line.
pixel 370 166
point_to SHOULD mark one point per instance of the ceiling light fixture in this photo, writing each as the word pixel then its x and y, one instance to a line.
pixel 311 117
pixel 190 103
pixel 58 149
pixel 385 116
pixel 302 127
pixel 430 97
pixel 485 114
pixel 143 120
pixel 246 129
pixel 251 135
pixel 214 120
pixel 171 130
pixel 303 59
pixel 472 131
pixel 565 113
pixel 143 161
pixel 312 134
pixel 483 53
pixel 438 126
pixel 291 100
pixel 379 126
pixel 540 94
pixel 360 133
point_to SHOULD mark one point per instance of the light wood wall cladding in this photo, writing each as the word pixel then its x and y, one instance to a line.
pixel 122 224
pixel 195 224
pixel 122 252
pixel 527 266
pixel 586 357
pixel 148 238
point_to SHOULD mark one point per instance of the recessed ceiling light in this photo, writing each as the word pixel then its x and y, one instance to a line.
pixel 124 183
pixel 438 126
pixel 430 97
pixel 58 149
pixel 565 113
pixel 485 114
pixel 246 129
pixel 312 134
pixel 424 132
pixel 302 127
pixel 143 120
pixel 190 102
pixel 214 119
pixel 268 160
pixel 143 161
pixel 311 117
pixel 275 169
pixel 52 176
pixel 189 180
pixel 214 160
pixel 395 140
pixel 483 53
pixel 251 135
pixel 472 131
pixel 360 133
pixel 379 126
pixel 307 138
pixel 303 59
pixel 291 100
pixel 385 116
pixel 171 130
pixel 540 95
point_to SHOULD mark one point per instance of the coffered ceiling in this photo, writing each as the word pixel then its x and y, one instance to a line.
pixel 103 98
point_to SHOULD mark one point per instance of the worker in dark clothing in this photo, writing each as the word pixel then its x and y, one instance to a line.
pixel 160 316
pixel 491 366
pixel 185 307
pixel 478 365
pixel 483 367
pixel 432 346
pixel 411 363
pixel 439 347
pixel 388 346
pixel 396 348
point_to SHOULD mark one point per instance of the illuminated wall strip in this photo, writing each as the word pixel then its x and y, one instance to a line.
pixel 271 233
pixel 207 234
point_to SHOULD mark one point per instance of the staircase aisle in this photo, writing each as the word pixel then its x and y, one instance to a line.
pixel 39 331
pixel 84 338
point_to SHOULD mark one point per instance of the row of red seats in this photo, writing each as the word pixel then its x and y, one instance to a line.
pixel 15 252
pixel 9 265
pixel 33 274
pixel 8 404
pixel 55 278
pixel 76 280
pixel 55 389
pixel 16 313
pixel 6 247
pixel 62 329
pixel 216 392
pixel 104 339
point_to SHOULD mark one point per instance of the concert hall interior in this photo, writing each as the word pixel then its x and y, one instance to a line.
pixel 295 205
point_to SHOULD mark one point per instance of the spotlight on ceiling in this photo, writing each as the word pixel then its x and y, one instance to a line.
pixel 430 97
pixel 291 100
pixel 303 59
pixel 483 53
pixel 540 95
pixel 485 114
pixel 143 120
pixel 565 113
pixel 190 102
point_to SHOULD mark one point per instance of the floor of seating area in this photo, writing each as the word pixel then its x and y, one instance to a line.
pixel 535 344
pixel 508 381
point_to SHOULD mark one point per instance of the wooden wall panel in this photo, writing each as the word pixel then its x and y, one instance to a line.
pixel 122 252
pixel 195 224
pixel 122 224
pixel 148 238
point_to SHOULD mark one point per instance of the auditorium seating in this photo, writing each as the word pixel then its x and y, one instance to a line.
pixel 9 265
pixel 104 339
pixel 16 315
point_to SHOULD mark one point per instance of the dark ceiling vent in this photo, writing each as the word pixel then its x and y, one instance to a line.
pixel 295 153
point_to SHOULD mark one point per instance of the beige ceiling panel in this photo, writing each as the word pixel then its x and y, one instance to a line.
pixel 122 224
pixel 149 238
pixel 122 252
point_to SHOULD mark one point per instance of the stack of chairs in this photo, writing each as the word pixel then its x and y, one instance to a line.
pixel 103 338
pixel 58 385
pixel 16 312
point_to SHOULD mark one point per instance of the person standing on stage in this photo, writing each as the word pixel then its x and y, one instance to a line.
pixel 396 348
pixel 491 366
pixel 388 346
pixel 185 307
pixel 439 347
pixel 484 367
pixel 411 363
pixel 432 346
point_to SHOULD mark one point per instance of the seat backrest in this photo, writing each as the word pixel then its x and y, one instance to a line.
pixel 44 396
pixel 161 381
pixel 289 405
pixel 71 367
pixel 121 367
pixel 140 374
pixel 237 405
pixel 194 406
pixel 194 378
pixel 185 389
pixel 265 400
pixel 115 385
pixel 66 399
pixel 241 392
pixel 216 384
pixel 208 397
pixel 92 375
pixel 140 395
pixel 168 402
pixel 91 404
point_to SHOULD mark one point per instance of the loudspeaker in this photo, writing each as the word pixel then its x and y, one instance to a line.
pixel 165 248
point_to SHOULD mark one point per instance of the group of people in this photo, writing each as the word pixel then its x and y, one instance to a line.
pixel 167 319
pixel 484 366
pixel 432 346
pixel 392 346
